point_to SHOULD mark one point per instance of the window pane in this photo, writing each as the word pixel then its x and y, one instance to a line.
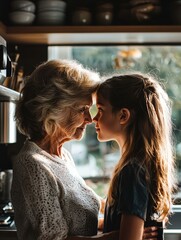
pixel 96 160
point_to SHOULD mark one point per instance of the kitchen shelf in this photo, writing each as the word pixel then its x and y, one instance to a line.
pixel 85 35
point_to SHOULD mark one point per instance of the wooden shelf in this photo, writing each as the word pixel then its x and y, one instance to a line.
pixel 85 35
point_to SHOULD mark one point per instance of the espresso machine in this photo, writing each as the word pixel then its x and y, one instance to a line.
pixel 7 99
pixel 8 136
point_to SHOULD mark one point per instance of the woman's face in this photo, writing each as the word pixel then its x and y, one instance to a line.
pixel 107 123
pixel 82 118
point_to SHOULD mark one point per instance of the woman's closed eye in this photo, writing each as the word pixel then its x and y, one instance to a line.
pixel 84 109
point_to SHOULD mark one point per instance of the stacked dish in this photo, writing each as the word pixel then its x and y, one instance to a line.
pixel 22 12
pixel 51 12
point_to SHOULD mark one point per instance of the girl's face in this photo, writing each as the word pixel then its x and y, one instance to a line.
pixel 107 123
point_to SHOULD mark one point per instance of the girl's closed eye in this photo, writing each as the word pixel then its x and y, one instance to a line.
pixel 100 110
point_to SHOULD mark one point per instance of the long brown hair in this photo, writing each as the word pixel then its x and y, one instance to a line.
pixel 149 134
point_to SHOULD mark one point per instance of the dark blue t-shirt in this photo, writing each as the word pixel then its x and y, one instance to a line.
pixel 133 199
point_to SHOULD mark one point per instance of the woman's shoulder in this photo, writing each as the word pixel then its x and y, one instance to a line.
pixel 29 147
pixel 67 155
pixel 30 156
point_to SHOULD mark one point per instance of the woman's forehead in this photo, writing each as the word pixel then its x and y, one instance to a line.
pixel 86 101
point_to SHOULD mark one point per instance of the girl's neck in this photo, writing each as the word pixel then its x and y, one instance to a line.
pixel 121 144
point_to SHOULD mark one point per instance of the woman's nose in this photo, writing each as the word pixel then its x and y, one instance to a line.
pixel 95 118
pixel 88 117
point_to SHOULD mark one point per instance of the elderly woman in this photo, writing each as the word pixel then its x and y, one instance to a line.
pixel 50 199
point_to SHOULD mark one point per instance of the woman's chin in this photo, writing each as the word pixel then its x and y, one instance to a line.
pixel 78 135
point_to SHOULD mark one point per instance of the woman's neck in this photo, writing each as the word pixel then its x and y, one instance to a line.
pixel 53 149
pixel 53 146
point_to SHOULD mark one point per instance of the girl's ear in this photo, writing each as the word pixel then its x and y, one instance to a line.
pixel 124 115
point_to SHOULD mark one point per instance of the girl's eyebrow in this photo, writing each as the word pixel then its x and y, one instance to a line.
pixel 100 104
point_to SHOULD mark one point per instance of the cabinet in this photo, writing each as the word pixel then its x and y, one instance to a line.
pixel 86 35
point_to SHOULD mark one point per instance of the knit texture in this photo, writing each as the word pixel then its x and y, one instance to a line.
pixel 50 199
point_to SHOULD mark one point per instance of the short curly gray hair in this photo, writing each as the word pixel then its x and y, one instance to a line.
pixel 48 95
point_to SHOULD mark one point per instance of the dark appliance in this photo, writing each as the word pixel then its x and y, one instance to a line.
pixel 7 99
pixel 8 136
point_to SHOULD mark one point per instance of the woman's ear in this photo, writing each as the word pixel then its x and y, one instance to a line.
pixel 124 116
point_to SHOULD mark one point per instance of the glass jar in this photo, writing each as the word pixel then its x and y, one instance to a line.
pixel 104 14
pixel 81 16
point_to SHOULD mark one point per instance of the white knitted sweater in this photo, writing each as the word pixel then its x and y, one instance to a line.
pixel 50 199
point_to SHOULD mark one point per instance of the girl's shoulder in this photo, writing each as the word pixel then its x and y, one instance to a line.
pixel 134 167
pixel 134 172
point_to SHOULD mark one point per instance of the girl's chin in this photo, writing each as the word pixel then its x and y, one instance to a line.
pixel 101 138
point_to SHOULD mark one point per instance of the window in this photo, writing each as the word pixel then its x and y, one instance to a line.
pixel 95 161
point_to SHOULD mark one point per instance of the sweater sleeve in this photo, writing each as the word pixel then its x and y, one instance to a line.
pixel 42 196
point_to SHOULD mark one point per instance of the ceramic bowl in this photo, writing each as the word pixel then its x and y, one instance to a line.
pixel 22 5
pixel 21 17
pixel 53 5
pixel 51 18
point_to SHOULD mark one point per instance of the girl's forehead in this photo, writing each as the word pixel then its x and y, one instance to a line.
pixel 100 100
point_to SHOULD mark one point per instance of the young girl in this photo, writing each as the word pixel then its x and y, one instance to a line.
pixel 135 111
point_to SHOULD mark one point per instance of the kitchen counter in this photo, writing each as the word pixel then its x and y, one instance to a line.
pixel 173 231
pixel 8 233
pixel 172 234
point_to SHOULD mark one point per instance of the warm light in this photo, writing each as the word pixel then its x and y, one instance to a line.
pixel 127 57
pixel 130 53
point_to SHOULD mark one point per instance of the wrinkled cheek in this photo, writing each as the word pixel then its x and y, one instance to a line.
pixel 70 129
pixel 72 126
